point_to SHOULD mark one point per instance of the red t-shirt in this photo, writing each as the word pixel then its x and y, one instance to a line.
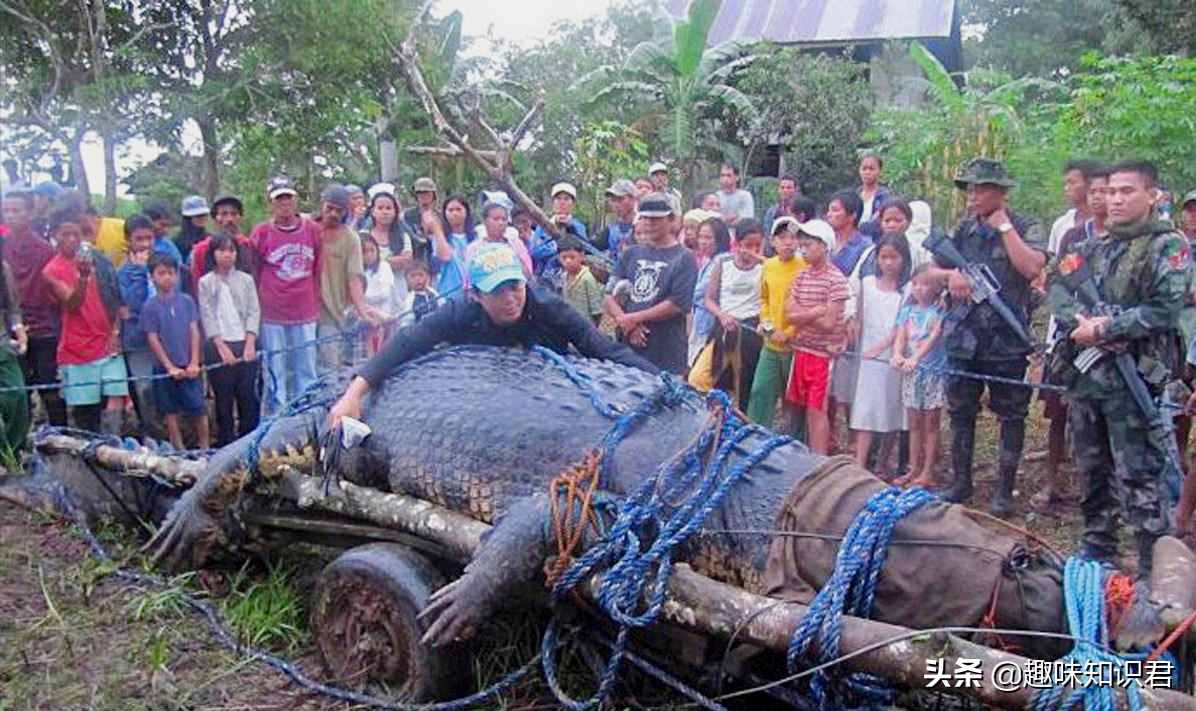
pixel 86 330
pixel 288 272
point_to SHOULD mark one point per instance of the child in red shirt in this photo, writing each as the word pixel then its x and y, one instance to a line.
pixel 815 308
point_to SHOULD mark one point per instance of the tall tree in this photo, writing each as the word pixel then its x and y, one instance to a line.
pixel 688 86
pixel 69 74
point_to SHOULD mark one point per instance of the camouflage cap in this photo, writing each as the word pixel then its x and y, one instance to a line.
pixel 983 171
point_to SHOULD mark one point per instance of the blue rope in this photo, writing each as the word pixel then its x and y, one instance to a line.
pixel 637 550
pixel 851 590
pixel 1084 598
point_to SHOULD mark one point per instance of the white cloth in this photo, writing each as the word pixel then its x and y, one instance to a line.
pixel 382 289
pixel 877 405
pixel 228 306
pixel 916 234
pixel 739 290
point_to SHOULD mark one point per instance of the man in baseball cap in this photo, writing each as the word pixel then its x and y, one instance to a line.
pixel 544 246
pixel 278 186
pixel 622 198
pixel 659 173
pixel 425 202
pixel 501 311
pixel 662 274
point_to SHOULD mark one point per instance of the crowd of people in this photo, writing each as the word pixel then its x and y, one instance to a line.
pixel 799 313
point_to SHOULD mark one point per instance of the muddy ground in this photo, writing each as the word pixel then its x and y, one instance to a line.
pixel 74 637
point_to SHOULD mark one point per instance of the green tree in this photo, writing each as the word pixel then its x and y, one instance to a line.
pixel 687 86
pixel 1140 107
pixel 1043 38
pixel 793 93
pixel 990 115
pixel 606 152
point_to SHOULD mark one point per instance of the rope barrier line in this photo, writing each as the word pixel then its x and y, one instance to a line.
pixel 264 354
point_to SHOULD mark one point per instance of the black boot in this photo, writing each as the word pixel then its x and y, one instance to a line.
pixel 1013 438
pixel 1002 503
pixel 963 436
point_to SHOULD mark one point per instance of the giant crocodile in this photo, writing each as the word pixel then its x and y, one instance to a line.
pixel 482 431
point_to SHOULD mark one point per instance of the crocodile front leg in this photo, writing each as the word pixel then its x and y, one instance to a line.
pixel 198 524
pixel 510 557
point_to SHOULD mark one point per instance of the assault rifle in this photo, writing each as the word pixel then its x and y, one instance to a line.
pixel 985 287
pixel 1079 280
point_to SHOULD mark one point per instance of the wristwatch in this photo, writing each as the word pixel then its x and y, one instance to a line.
pixel 1004 227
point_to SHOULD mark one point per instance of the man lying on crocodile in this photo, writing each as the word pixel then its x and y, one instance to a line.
pixel 483 430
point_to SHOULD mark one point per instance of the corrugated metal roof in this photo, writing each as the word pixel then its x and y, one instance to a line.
pixel 818 21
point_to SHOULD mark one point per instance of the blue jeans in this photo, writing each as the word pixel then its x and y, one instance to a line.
pixel 290 372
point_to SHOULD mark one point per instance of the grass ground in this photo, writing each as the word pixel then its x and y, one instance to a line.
pixel 75 637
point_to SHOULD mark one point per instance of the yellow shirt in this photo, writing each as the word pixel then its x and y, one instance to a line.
pixel 774 287
pixel 110 239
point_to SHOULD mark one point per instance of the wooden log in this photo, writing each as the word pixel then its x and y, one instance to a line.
pixel 709 607
pixel 175 469
pixel 695 602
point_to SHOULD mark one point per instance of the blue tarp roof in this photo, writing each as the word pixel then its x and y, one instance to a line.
pixel 826 21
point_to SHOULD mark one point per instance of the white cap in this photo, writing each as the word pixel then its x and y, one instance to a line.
pixel 566 188
pixel 658 167
pixel 818 229
pixel 388 188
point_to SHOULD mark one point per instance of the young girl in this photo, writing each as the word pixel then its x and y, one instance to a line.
pixel 449 243
pixel 877 403
pixel 391 237
pixel 380 291
pixel 714 240
pixel 917 344
pixel 733 297
pixel 231 315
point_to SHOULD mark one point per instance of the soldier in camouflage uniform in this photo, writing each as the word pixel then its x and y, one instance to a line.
pixel 1141 270
pixel 977 339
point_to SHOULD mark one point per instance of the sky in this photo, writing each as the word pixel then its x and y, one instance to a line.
pixel 523 21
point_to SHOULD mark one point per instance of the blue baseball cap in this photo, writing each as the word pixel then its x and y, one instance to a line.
pixel 494 264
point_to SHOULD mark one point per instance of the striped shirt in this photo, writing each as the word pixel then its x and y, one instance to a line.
pixel 816 287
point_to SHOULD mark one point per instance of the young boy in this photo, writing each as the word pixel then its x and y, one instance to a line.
pixel 89 361
pixel 815 308
pixel 421 299
pixel 582 290
pixel 135 290
pixel 171 324
pixel 776 358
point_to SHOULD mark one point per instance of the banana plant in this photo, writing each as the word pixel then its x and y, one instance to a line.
pixel 684 84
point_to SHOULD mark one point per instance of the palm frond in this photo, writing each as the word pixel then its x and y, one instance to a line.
pixel 941 83
pixel 692 33
pixel 736 98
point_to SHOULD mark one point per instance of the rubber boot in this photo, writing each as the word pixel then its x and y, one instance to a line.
pixel 963 439
pixel 1013 438
pixel 111 422
pixel 1002 503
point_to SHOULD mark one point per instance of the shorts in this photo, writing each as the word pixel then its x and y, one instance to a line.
pixel 809 381
pixel 174 397
pixel 922 390
pixel 89 383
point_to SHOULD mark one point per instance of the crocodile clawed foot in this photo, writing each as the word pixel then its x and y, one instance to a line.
pixel 454 611
pixel 186 538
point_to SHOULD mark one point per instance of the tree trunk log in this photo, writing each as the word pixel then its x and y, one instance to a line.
pixel 109 171
pixel 695 602
pixel 211 158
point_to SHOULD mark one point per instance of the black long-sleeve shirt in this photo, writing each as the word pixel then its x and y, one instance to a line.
pixel 547 321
